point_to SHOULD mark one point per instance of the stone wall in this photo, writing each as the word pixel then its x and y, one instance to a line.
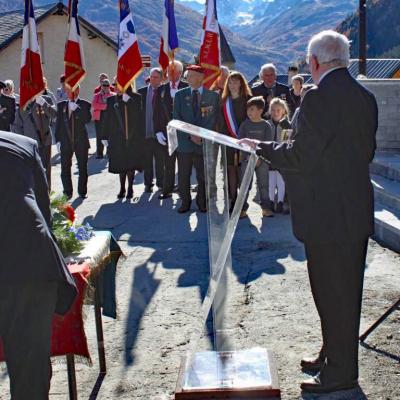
pixel 387 92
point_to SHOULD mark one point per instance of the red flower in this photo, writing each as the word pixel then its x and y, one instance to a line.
pixel 69 212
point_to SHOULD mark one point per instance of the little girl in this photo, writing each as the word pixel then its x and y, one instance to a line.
pixel 279 111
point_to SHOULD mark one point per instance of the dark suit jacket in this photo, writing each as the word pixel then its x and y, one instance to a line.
pixel 208 118
pixel 8 115
pixel 279 90
pixel 124 154
pixel 164 107
pixel 65 129
pixel 28 250
pixel 327 167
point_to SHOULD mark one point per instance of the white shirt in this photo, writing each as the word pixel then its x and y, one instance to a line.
pixel 173 90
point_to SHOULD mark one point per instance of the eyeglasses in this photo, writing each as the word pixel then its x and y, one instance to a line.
pixel 105 85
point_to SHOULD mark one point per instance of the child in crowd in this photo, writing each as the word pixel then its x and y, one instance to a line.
pixel 256 128
pixel 280 127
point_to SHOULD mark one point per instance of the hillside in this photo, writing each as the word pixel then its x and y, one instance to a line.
pixel 383 29
pixel 283 25
pixel 148 19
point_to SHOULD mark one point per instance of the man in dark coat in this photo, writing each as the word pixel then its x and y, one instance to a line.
pixel 153 149
pixel 34 280
pixel 331 196
pixel 71 133
pixel 269 88
pixel 163 109
pixel 7 109
pixel 125 138
pixel 198 106
pixel 35 122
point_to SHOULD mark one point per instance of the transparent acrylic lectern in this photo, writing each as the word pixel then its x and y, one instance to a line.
pixel 225 372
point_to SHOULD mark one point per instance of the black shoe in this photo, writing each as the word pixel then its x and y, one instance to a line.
pixel 148 189
pixel 279 208
pixel 183 208
pixel 311 364
pixel 129 195
pixel 68 195
pixel 83 195
pixel 164 196
pixel 202 209
pixel 121 194
pixel 314 385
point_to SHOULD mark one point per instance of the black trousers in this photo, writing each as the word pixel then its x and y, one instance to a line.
pixel 154 151
pixel 169 171
pixel 26 312
pixel 99 132
pixel 185 163
pixel 45 155
pixel 66 164
pixel 336 273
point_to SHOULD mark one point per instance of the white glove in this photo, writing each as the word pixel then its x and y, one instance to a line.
pixel 40 100
pixel 72 106
pixel 161 138
pixel 125 97
pixel 58 145
pixel 105 143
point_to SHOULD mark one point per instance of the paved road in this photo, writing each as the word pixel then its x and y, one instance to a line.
pixel 162 281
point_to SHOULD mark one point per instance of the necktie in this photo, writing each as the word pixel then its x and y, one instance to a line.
pixel 195 102
pixel 153 100
pixel 173 85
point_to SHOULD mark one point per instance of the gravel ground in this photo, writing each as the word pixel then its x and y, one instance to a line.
pixel 161 283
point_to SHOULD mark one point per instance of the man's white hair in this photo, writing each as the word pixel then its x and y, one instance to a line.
pixel 330 47
pixel 267 67
pixel 177 65
pixel 158 70
pixel 224 70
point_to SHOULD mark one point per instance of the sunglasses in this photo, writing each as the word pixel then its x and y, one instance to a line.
pixel 105 85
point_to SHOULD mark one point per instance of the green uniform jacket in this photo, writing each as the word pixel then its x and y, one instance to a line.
pixel 183 111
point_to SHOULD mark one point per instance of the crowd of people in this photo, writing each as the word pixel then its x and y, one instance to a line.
pixel 132 128
pixel 325 167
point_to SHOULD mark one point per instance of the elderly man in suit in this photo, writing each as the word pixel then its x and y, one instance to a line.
pixel 35 122
pixel 34 280
pixel 198 106
pixel 7 109
pixel 163 114
pixel 327 174
pixel 153 150
pixel 72 137
pixel 270 88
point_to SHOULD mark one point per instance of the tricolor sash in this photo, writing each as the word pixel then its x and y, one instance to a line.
pixel 230 119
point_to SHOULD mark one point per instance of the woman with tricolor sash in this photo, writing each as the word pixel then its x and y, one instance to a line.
pixel 233 112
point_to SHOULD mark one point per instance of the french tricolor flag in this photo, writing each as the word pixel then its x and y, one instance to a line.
pixel 210 54
pixel 169 35
pixel 130 63
pixel 74 60
pixel 31 75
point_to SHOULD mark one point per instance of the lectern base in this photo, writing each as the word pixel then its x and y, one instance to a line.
pixel 245 374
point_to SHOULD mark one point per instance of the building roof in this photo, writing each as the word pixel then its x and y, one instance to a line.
pixel 12 23
pixel 377 68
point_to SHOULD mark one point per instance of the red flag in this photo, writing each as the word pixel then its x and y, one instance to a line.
pixel 74 60
pixel 210 54
pixel 31 77
pixel 130 63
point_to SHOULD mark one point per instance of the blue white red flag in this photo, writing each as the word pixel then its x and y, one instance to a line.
pixel 210 53
pixel 230 120
pixel 130 63
pixel 74 60
pixel 169 35
pixel 31 74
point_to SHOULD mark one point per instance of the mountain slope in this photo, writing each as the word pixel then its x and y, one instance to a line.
pixel 282 25
pixel 383 29
pixel 148 19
